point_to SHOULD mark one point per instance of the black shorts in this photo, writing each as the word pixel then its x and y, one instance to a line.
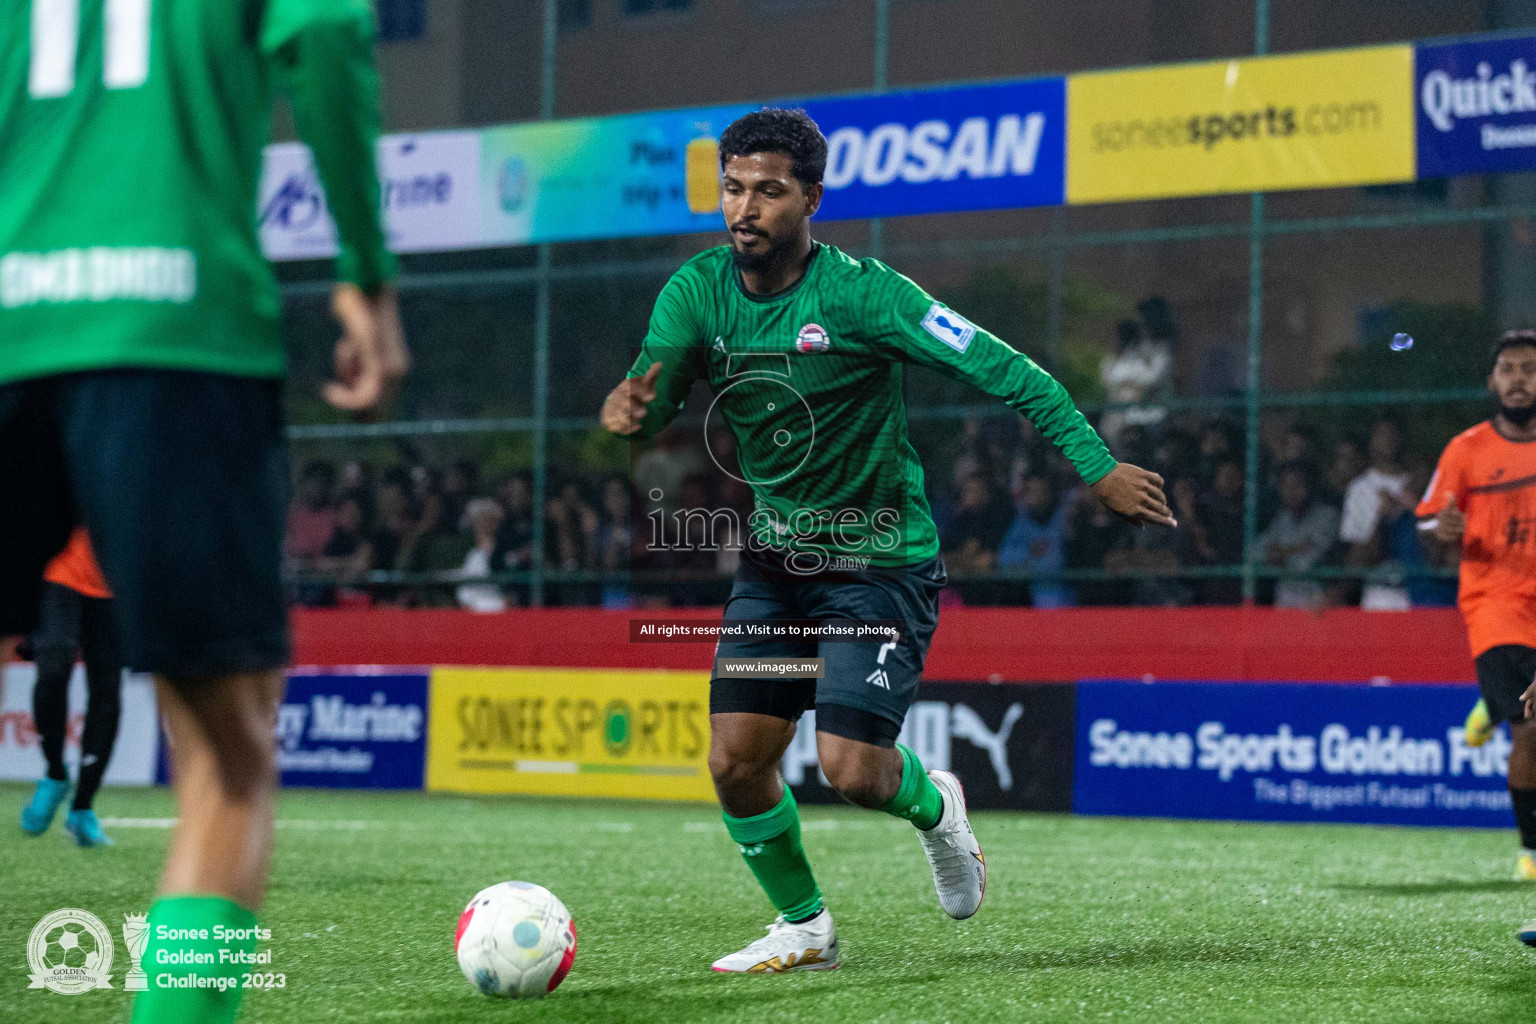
pixel 868 687
pixel 181 479
pixel 1504 673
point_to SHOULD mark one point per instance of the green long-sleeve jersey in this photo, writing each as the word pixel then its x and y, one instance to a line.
pixel 810 382
pixel 130 149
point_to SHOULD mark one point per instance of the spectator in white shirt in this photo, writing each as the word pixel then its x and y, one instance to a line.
pixel 484 515
pixel 1141 370
pixel 1366 499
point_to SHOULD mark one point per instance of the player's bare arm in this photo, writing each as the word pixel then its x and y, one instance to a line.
pixel 1136 495
pixel 624 408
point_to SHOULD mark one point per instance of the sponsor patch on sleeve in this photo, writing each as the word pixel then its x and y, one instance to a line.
pixel 949 327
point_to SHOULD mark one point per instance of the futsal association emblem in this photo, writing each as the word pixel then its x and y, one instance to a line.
pixel 70 952
pixel 812 338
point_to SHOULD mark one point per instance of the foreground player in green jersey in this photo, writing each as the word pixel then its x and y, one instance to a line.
pixel 805 350
pixel 140 390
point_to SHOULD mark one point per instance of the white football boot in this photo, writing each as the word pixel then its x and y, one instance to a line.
pixel 807 946
pixel 959 869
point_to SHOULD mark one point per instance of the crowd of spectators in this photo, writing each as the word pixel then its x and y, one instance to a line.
pixel 1016 526
pixel 1336 527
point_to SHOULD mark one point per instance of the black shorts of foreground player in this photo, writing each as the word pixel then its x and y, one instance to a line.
pixel 805 350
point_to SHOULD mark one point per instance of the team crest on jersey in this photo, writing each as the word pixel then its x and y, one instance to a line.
pixel 949 327
pixel 812 338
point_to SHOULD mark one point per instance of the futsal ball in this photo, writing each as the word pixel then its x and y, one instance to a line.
pixel 515 940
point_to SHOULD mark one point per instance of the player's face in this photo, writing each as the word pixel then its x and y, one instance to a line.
pixel 1514 377
pixel 766 207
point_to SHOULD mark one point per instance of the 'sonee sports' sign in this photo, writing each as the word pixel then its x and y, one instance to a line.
pixel 1311 120
pixel 570 732
pixel 1390 755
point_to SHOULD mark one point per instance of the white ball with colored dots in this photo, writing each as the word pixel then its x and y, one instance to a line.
pixel 1402 342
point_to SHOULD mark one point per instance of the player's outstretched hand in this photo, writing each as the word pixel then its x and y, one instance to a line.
pixel 1529 697
pixel 1451 523
pixel 1135 495
pixel 625 405
pixel 371 357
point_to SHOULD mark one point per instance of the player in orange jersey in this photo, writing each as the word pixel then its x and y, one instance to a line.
pixel 1482 499
pixel 76 616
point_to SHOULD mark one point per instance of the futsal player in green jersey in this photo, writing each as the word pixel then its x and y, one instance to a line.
pixel 805 349
pixel 140 385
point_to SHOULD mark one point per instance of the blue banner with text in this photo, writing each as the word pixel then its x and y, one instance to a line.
pixel 982 147
pixel 1287 752
pixel 354 731
pixel 1476 106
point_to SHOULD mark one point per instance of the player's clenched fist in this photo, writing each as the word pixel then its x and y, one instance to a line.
pixel 1135 494
pixel 625 405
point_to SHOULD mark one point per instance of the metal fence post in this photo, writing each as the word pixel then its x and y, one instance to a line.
pixel 541 302
pixel 882 65
pixel 1255 352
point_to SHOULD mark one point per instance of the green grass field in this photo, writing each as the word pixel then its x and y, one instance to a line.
pixel 1085 919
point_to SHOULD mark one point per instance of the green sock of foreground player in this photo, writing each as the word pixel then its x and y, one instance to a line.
pixel 917 799
pixel 770 844
pixel 199 993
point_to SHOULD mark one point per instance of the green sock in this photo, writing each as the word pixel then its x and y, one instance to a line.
pixel 211 992
pixel 917 799
pixel 770 844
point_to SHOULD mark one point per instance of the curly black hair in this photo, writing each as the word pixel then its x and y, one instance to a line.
pixel 1512 339
pixel 776 130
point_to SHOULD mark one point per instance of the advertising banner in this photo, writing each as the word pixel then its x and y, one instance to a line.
pixel 353 731
pixel 610 177
pixel 430 190
pixel 570 732
pixel 983 147
pixel 1286 752
pixel 1010 745
pixel 1476 106
pixel 134 753
pixel 657 173
pixel 1311 120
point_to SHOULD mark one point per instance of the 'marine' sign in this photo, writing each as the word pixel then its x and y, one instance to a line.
pixel 952 149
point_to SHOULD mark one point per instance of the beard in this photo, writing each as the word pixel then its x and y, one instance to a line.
pixel 754 262
pixel 1519 415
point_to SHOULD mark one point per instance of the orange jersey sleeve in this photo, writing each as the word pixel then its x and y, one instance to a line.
pixel 1448 482
pixel 75 567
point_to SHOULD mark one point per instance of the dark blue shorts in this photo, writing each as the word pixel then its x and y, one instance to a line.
pixel 868 685
pixel 181 479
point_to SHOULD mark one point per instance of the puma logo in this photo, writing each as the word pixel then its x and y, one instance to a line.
pixel 967 724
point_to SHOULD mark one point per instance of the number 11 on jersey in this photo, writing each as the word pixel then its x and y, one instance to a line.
pixel 56 41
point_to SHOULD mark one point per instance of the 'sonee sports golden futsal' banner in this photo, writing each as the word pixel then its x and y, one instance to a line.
pixel 570 732
pixel 1315 120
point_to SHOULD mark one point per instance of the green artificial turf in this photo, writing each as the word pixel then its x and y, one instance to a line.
pixel 1085 919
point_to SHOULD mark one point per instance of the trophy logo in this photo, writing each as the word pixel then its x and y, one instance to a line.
pixel 135 937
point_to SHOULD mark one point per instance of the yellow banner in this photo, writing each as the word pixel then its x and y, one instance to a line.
pixel 570 732
pixel 1313 120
